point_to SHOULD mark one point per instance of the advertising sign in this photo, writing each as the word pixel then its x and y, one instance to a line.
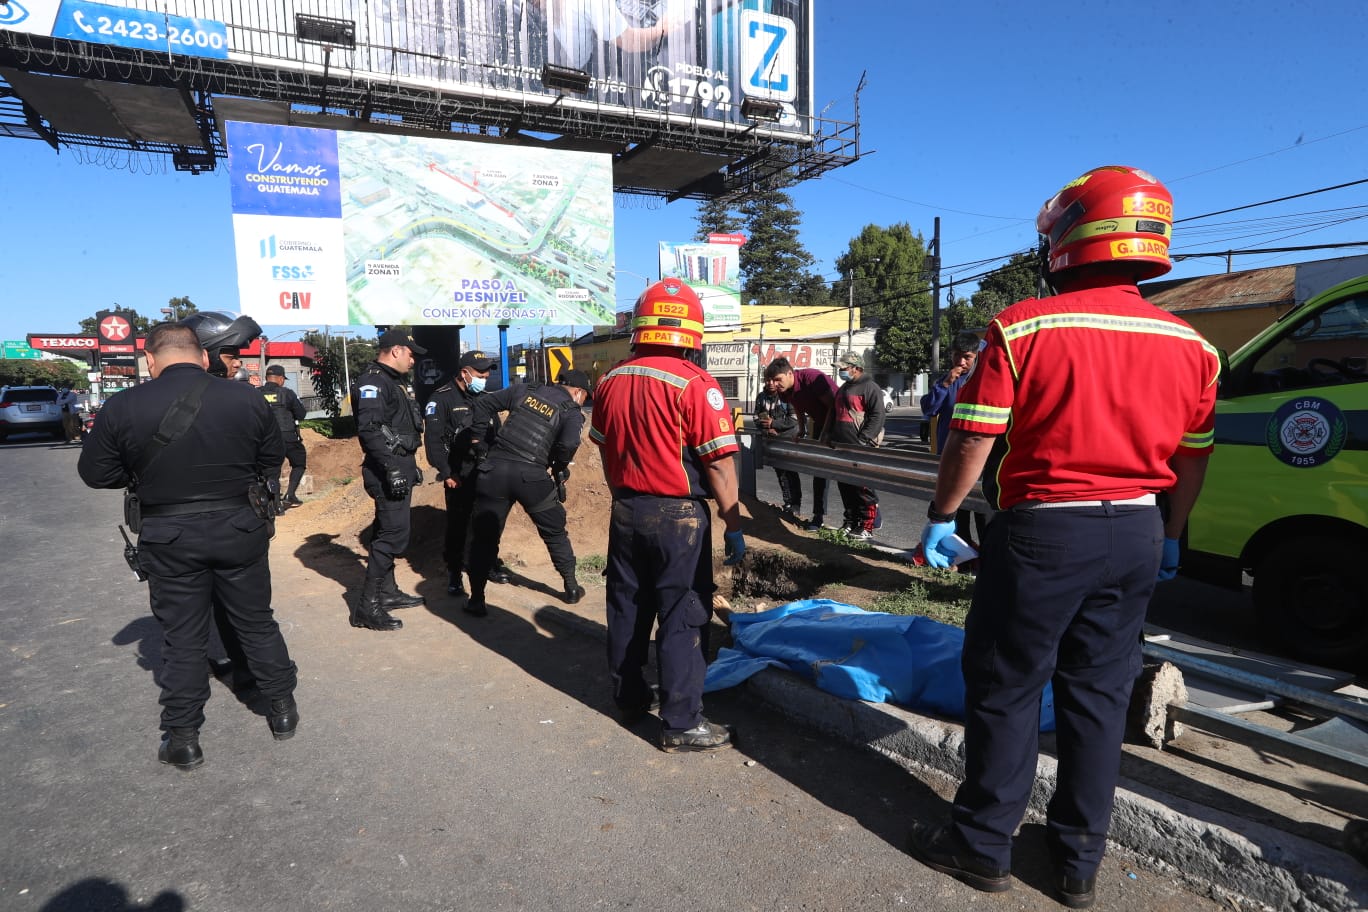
pixel 713 271
pixel 334 227
pixel 684 58
pixel 65 344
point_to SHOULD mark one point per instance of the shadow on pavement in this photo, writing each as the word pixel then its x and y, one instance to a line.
pixel 98 895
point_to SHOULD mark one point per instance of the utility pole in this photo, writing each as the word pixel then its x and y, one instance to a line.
pixel 850 319
pixel 934 266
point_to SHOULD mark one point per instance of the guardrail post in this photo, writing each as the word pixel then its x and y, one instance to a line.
pixel 746 464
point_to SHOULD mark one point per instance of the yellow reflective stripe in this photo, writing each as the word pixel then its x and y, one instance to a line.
pixel 1198 441
pixel 637 370
pixel 1104 322
pixel 716 443
pixel 981 414
pixel 667 322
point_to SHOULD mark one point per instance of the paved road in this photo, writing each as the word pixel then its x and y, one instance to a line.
pixel 459 765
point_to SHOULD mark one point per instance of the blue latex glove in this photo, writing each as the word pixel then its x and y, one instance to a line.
pixel 1168 563
pixel 933 533
pixel 734 547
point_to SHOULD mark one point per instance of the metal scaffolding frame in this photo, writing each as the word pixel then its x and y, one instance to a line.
pixel 748 156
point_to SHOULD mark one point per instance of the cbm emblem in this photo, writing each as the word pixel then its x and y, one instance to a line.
pixel 1306 432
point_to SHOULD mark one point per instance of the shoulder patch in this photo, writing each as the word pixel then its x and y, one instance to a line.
pixel 715 399
pixel 431 409
pixel 369 392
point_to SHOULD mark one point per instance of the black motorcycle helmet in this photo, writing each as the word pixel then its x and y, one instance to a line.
pixel 219 332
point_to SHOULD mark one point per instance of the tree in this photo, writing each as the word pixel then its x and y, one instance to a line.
pixel 1014 281
pixel 716 217
pixel 181 308
pixel 774 262
pixel 45 372
pixel 886 268
pixel 90 326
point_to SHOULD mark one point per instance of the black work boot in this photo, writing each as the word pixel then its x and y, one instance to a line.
pixel 181 749
pixel 369 613
pixel 454 584
pixel 499 573
pixel 391 599
pixel 283 718
pixel 475 605
pixel 573 590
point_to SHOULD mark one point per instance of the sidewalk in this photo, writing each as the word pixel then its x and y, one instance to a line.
pixel 1231 825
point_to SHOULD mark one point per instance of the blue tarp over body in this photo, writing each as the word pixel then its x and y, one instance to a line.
pixel 856 654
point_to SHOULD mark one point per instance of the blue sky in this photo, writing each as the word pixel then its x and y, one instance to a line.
pixel 974 112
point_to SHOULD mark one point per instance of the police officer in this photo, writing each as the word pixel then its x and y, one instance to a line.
pixel 390 426
pixel 529 462
pixel 288 412
pixel 201 539
pixel 667 439
pixel 447 439
pixel 1075 459
pixel 224 336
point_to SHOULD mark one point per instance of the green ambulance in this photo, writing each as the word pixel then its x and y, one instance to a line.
pixel 1286 492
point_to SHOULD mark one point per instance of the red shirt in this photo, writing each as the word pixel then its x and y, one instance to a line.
pixel 1093 391
pixel 658 421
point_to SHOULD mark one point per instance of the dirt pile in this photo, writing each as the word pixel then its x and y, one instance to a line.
pixel 784 564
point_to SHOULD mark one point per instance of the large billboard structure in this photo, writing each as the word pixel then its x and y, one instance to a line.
pixel 692 98
pixel 364 228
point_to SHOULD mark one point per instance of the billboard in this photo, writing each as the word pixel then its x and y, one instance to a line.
pixel 368 228
pixel 713 271
pixel 693 59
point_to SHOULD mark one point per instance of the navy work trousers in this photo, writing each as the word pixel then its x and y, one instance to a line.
pixel 460 505
pixel 501 483
pixel 1061 596
pixel 193 562
pixel 660 570
pixel 389 531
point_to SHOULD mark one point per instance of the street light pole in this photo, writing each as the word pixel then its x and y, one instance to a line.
pixel 346 371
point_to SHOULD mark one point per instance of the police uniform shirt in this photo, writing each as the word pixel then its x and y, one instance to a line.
pixel 658 421
pixel 384 399
pixel 447 435
pixel 233 440
pixel 548 402
pixel 286 407
pixel 1092 392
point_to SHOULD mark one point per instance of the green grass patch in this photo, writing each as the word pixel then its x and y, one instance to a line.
pixel 591 565
pixel 941 595
pixel 839 537
pixel 332 428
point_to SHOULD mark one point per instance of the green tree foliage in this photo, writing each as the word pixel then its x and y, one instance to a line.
pixel 90 326
pixel 181 308
pixel 774 262
pixel 716 217
pixel 885 268
pixel 47 372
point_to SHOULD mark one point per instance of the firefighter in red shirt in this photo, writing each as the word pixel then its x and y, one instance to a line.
pixel 1084 407
pixel 667 441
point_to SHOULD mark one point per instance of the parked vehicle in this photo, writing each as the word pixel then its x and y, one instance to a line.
pixel 1286 492
pixel 28 409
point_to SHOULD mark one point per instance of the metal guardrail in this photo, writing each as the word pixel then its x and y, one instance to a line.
pixel 908 474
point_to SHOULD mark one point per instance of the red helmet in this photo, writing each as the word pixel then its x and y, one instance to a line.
pixel 1110 214
pixel 668 313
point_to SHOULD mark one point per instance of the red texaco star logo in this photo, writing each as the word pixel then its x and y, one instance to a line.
pixel 115 329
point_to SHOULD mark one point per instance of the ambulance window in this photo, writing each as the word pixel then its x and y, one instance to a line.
pixel 1327 348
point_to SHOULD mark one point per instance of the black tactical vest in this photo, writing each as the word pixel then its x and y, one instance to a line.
pixel 531 426
pixel 280 410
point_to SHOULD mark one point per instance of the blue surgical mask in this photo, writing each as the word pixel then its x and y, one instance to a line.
pixel 844 375
pixel 476 384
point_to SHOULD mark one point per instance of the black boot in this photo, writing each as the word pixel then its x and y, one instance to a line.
pixel 181 748
pixel 573 590
pixel 283 717
pixel 475 605
pixel 499 573
pixel 369 613
pixel 391 599
pixel 455 586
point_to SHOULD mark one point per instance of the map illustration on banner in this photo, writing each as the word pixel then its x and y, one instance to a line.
pixel 368 228
pixel 713 271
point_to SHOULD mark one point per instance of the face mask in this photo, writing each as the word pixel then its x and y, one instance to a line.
pixel 476 384
pixel 844 375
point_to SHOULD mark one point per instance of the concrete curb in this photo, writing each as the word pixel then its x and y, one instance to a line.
pixel 1211 850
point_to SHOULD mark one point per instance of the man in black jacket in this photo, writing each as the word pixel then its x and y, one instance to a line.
pixel 288 411
pixel 859 421
pixel 528 463
pixel 390 426
pixel 200 540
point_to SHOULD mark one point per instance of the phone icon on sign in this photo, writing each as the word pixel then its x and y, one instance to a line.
pixel 79 18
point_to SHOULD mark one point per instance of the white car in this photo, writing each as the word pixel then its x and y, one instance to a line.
pixel 30 409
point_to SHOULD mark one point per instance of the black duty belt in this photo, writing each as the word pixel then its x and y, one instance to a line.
pixel 194 506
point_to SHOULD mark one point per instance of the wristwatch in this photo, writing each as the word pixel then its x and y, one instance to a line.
pixel 936 516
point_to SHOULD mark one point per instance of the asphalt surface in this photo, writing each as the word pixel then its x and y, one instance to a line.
pixel 464 764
